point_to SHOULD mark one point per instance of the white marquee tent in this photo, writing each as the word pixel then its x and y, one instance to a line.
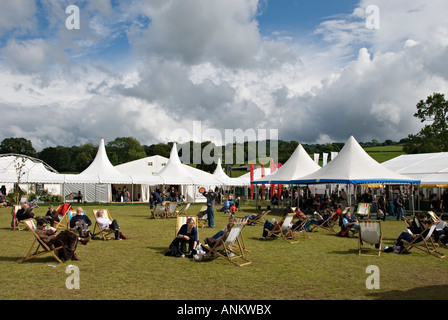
pixel 297 166
pixel 226 180
pixel 430 168
pixel 354 166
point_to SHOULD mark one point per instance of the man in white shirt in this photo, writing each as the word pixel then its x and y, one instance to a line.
pixel 105 223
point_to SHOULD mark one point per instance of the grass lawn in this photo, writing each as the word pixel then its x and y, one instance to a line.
pixel 384 153
pixel 325 267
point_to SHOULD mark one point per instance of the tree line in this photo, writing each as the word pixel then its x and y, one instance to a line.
pixel 433 137
pixel 75 159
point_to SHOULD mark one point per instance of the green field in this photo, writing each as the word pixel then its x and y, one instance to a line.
pixel 384 153
pixel 325 267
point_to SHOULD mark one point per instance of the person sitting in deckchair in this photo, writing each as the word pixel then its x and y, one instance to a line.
pixel 318 219
pixel 302 217
pixel 105 223
pixel 212 241
pixel 66 238
pixel 186 234
pixel 81 223
pixel 416 226
pixel 349 222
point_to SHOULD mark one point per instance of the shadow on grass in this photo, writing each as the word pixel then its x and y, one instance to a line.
pixel 438 292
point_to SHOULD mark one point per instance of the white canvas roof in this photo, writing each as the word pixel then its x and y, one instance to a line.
pixel 177 173
pixel 226 180
pixel 142 170
pixel 99 171
pixel 430 168
pixel 297 166
pixel 33 170
pixel 354 166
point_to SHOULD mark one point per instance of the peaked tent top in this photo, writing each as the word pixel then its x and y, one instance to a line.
pixel 100 169
pixel 354 166
pixel 226 180
pixel 177 173
pixel 297 166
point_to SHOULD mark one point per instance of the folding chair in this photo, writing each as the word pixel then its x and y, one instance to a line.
pixel 171 209
pixel 370 232
pixel 243 243
pixel 328 223
pixel 301 228
pixel 423 242
pixel 181 220
pixel 33 204
pixel 62 214
pixel 282 230
pixel 15 222
pixel 229 246
pixel 183 209
pixel 259 219
pixel 202 217
pixel 105 234
pixel 45 249
pixel 363 210
pixel 159 211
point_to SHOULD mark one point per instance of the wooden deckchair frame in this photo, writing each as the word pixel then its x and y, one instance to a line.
pixel 183 208
pixel 159 211
pixel 105 234
pixel 171 209
pixel 301 228
pixel 365 227
pixel 423 243
pixel 283 231
pixel 201 221
pixel 37 240
pixel 229 251
pixel 241 237
pixel 15 224
pixel 260 218
pixel 63 217
pixel 329 223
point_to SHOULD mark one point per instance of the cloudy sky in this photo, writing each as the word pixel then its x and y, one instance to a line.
pixel 315 71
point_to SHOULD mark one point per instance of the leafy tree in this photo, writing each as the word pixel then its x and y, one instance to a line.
pixel 124 149
pixel 59 158
pixel 433 137
pixel 18 145
pixel 160 149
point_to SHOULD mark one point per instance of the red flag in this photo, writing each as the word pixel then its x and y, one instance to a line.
pixel 263 187
pixel 251 179
pixel 279 187
pixel 273 169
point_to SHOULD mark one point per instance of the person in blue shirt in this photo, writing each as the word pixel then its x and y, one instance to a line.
pixel 155 199
pixel 81 223
pixel 349 222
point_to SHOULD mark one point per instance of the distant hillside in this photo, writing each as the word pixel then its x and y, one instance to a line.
pixel 384 153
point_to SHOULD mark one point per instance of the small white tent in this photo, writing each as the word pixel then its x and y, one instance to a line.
pixel 225 179
pixel 297 166
pixel 177 173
